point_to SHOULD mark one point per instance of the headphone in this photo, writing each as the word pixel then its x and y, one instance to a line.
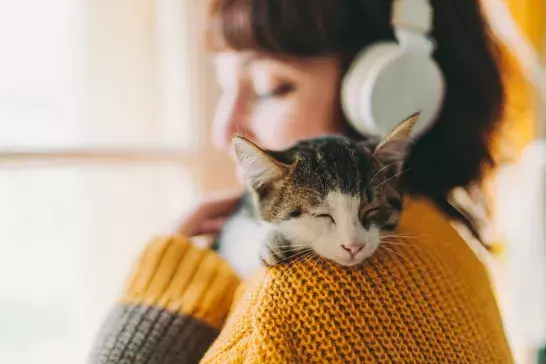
pixel 388 81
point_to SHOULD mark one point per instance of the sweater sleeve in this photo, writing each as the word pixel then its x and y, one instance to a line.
pixel 172 308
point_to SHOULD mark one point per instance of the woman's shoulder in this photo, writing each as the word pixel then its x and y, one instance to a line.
pixel 425 296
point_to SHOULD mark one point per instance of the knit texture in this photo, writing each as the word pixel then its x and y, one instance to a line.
pixel 423 298
pixel 142 334
pixel 174 305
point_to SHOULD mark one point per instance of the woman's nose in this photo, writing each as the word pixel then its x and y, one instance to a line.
pixel 231 117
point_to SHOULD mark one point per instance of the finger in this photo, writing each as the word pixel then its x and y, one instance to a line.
pixel 203 241
pixel 211 226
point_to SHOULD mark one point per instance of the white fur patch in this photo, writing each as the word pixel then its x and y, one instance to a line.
pixel 244 241
pixel 327 238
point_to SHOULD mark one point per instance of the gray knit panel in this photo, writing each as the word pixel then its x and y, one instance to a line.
pixel 137 334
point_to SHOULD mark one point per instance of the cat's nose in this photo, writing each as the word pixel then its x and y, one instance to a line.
pixel 353 249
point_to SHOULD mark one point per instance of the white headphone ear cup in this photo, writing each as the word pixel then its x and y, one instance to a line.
pixel 352 86
pixel 405 84
pixel 387 84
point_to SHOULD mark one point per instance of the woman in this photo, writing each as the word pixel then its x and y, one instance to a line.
pixel 280 64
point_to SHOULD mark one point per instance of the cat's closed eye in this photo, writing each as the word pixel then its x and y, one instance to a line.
pixel 326 216
pixel 369 215
pixel 295 213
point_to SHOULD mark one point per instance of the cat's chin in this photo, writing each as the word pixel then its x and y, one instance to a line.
pixel 349 262
pixel 354 263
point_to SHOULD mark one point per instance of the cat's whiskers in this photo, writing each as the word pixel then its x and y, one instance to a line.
pixel 399 254
pixel 291 248
pixel 295 255
pixel 388 179
pixel 381 170
pixel 310 254
pixel 296 267
pixel 290 268
pixel 293 267
pixel 400 244
pixel 288 250
pixel 401 237
pixel 425 248
pixel 396 238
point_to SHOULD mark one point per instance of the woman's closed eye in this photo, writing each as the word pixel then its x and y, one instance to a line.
pixel 276 92
pixel 326 216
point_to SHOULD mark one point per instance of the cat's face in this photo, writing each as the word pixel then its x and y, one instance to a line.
pixel 343 227
pixel 330 194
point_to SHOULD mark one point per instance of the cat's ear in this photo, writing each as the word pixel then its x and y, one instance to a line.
pixel 394 148
pixel 259 167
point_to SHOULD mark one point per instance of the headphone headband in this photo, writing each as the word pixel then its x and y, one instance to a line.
pixel 388 81
pixel 413 15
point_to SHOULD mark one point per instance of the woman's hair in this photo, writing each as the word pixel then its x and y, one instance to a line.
pixel 456 150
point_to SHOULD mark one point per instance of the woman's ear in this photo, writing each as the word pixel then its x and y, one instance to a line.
pixel 258 166
pixel 395 147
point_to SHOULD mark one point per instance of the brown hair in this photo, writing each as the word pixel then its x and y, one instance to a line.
pixel 455 152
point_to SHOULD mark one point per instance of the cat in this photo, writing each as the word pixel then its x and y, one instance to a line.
pixel 332 195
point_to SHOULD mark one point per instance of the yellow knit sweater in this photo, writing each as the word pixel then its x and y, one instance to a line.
pixel 425 299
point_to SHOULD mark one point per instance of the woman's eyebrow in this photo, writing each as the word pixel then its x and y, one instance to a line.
pixel 282 61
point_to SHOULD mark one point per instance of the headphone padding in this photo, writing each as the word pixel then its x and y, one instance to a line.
pixel 386 84
pixel 351 89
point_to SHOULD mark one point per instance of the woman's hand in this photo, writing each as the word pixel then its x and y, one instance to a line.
pixel 208 216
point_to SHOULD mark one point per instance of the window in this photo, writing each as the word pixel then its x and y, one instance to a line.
pixel 101 145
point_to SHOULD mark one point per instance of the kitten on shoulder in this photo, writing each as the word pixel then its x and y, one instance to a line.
pixel 329 196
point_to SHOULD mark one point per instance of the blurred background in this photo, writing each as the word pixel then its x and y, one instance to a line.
pixel 105 110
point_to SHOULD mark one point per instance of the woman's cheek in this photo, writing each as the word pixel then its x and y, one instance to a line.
pixel 274 127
